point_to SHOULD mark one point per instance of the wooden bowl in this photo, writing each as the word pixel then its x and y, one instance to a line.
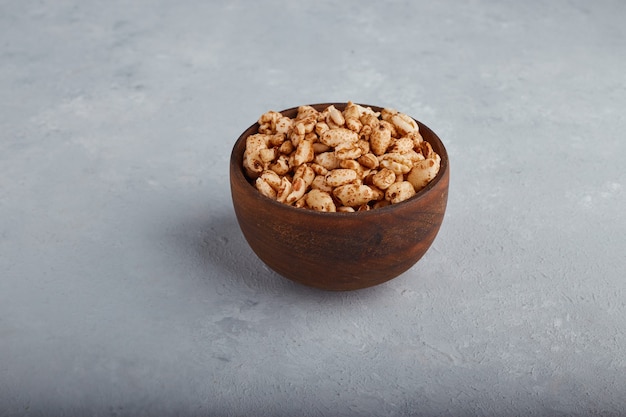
pixel 339 251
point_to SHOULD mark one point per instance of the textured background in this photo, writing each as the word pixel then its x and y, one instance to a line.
pixel 126 287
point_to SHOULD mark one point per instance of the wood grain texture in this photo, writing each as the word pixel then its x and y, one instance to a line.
pixel 339 251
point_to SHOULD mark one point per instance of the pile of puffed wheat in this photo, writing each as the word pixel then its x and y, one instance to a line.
pixel 346 161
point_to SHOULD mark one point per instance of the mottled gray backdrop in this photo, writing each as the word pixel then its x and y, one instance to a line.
pixel 127 289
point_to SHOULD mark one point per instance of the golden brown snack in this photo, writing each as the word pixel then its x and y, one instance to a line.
pixel 331 160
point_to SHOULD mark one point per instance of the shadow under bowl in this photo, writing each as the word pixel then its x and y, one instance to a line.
pixel 339 251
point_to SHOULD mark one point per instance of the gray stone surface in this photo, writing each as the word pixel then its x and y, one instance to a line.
pixel 127 289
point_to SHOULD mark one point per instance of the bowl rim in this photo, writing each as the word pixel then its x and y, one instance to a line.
pixel 239 172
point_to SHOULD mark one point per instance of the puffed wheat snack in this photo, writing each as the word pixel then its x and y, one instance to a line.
pixel 339 161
